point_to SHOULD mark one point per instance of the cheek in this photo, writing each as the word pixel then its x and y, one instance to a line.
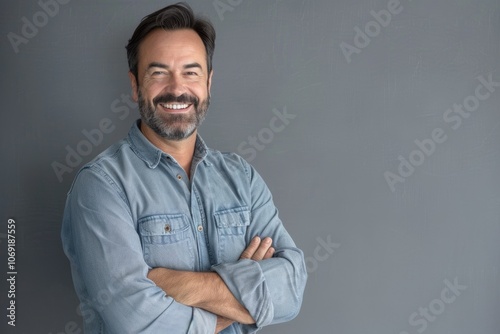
pixel 151 90
pixel 201 92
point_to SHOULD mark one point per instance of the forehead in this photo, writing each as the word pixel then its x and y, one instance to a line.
pixel 172 47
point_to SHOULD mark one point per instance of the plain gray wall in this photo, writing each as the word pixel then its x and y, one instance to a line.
pixel 359 105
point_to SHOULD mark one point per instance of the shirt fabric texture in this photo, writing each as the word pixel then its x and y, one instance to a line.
pixel 133 208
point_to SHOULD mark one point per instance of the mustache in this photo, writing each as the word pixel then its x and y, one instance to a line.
pixel 169 98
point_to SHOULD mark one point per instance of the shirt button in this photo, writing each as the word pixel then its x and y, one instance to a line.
pixel 167 228
pixel 179 176
pixel 200 228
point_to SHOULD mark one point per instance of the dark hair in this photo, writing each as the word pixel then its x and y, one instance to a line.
pixel 173 17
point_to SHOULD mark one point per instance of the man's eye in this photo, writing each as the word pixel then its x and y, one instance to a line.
pixel 157 73
pixel 191 73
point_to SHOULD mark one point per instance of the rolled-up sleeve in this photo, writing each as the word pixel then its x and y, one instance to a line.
pixel 110 274
pixel 272 289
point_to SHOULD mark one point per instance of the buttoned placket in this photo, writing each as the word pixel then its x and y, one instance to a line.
pixel 197 214
pixel 198 217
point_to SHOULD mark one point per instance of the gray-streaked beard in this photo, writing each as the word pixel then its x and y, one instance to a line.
pixel 174 126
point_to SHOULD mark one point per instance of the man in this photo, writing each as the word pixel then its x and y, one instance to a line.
pixel 165 235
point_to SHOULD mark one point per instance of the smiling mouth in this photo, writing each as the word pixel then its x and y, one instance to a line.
pixel 175 106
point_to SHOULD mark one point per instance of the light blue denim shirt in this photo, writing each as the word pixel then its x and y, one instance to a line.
pixel 133 208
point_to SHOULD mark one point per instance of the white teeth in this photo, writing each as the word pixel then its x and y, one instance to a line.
pixel 175 106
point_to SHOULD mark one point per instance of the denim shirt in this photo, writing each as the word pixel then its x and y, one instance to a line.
pixel 133 208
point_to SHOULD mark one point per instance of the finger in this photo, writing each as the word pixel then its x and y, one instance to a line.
pixel 250 250
pixel 262 250
pixel 269 254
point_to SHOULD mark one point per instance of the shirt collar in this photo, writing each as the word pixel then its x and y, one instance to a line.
pixel 151 154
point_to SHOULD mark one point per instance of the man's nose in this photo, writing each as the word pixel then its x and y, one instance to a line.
pixel 175 85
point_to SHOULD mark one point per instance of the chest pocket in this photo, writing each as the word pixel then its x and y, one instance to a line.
pixel 232 225
pixel 167 241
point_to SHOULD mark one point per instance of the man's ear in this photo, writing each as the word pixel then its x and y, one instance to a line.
pixel 209 84
pixel 133 83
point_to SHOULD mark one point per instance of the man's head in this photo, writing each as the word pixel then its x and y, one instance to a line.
pixel 170 64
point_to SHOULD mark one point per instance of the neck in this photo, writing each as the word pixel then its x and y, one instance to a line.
pixel 181 150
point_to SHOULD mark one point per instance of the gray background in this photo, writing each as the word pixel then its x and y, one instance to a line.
pixel 393 249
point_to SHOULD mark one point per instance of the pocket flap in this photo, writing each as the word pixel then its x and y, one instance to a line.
pixel 234 217
pixel 163 224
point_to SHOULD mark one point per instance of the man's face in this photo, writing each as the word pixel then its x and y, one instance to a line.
pixel 173 85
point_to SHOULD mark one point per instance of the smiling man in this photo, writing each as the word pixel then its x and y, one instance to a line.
pixel 165 235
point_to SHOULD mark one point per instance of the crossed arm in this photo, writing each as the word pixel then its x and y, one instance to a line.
pixel 100 237
pixel 207 290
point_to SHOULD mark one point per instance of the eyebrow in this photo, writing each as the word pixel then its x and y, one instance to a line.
pixel 166 67
pixel 192 65
pixel 155 64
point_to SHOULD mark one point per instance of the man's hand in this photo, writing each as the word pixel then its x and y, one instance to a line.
pixel 258 249
pixel 207 290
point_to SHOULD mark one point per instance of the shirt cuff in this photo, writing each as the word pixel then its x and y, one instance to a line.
pixel 247 283
pixel 203 322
